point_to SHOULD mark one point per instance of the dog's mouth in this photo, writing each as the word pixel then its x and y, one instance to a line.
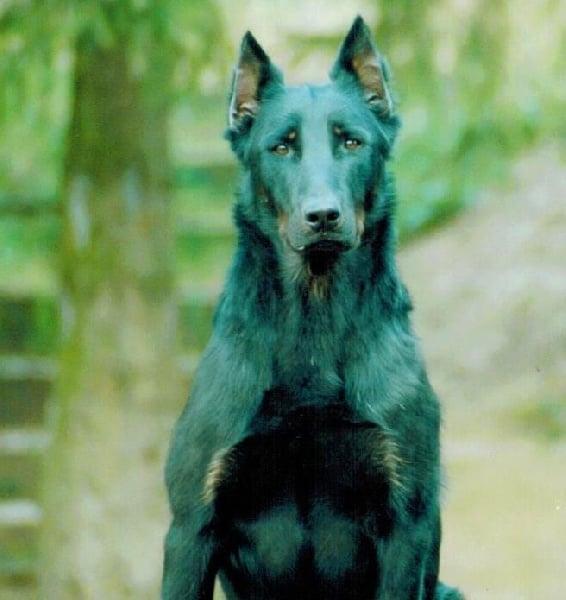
pixel 322 255
pixel 322 246
pixel 326 246
pixel 318 256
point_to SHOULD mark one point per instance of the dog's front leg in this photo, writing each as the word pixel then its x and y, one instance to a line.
pixel 190 546
pixel 228 386
pixel 409 562
pixel 189 566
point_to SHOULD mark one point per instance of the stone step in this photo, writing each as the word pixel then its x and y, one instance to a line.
pixel 19 367
pixel 21 456
pixel 19 529
pixel 28 325
pixel 23 401
pixel 23 441
pixel 20 513
pixel 29 331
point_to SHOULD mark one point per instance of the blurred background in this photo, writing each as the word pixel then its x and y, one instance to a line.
pixel 115 235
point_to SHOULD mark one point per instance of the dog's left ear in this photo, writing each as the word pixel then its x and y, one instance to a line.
pixel 359 58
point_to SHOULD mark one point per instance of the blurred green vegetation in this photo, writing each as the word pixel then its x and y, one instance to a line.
pixel 476 83
pixel 546 419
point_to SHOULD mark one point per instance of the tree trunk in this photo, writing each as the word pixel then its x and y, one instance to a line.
pixel 105 508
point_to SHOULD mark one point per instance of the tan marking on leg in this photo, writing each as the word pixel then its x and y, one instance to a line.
pixel 217 472
pixel 360 222
pixel 388 458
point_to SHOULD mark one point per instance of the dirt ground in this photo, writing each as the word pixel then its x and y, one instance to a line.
pixel 490 297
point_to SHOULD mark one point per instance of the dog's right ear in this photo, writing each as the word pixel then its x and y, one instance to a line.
pixel 252 75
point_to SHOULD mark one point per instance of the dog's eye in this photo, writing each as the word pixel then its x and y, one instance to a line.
pixel 352 144
pixel 281 149
pixel 287 145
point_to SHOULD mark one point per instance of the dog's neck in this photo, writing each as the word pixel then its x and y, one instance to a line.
pixel 273 275
pixel 305 327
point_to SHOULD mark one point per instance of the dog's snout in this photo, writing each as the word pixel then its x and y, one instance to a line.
pixel 322 218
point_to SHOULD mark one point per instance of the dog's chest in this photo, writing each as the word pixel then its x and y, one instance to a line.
pixel 309 347
pixel 281 559
pixel 300 529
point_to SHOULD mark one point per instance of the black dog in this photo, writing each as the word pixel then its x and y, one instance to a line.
pixel 306 463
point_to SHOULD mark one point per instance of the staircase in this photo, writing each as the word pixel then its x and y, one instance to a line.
pixel 29 342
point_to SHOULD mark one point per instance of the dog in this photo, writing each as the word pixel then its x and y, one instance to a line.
pixel 306 462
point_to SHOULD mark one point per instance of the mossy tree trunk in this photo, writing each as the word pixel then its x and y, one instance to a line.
pixel 105 510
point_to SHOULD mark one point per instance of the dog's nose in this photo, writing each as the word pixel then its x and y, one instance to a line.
pixel 322 219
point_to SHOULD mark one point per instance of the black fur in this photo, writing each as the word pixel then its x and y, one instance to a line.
pixel 306 463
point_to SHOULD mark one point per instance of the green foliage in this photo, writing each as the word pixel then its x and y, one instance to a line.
pixel 29 324
pixel 473 90
pixel 19 562
pixel 545 419
pixel 457 81
pixel 440 173
pixel 36 63
pixel 201 205
pixel 28 253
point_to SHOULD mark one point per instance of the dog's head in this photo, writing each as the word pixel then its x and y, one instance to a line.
pixel 313 155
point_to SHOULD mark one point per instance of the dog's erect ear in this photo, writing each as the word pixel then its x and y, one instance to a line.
pixel 252 74
pixel 359 58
